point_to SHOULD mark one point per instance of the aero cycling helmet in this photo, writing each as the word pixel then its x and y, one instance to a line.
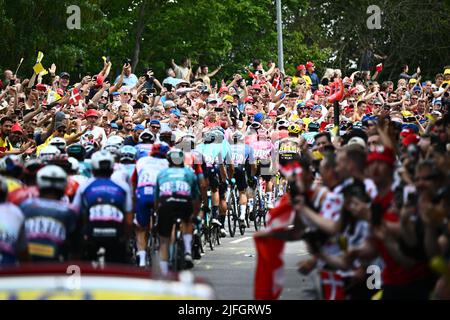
pixel 294 128
pixel 128 153
pixel 102 160
pixel 210 136
pixel 60 143
pixel 176 157
pixel 76 151
pixel 146 137
pixel 313 127
pixel 52 177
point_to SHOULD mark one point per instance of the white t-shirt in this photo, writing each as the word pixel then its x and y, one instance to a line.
pixel 97 132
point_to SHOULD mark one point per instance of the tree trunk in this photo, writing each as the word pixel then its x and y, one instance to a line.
pixel 139 30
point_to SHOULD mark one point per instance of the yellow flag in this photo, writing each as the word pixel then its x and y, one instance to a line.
pixel 104 59
pixel 52 96
pixel 38 68
pixel 43 73
pixel 39 57
pixel 334 131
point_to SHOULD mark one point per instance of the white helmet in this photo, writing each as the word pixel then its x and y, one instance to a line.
pixel 146 135
pixel 102 160
pixel 60 143
pixel 49 152
pixel 115 140
pixel 74 164
pixel 52 177
pixel 113 144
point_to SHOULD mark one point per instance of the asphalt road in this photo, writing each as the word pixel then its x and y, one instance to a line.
pixel 231 268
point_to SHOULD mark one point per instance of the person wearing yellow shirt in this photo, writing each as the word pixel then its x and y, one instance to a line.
pixel 60 132
pixel 301 74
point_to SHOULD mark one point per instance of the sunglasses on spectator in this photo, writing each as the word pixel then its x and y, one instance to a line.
pixel 155 127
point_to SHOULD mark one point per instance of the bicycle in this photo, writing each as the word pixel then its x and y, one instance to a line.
pixel 207 228
pixel 177 252
pixel 153 239
pixel 259 207
pixel 232 209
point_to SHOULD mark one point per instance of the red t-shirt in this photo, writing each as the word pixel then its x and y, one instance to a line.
pixel 394 273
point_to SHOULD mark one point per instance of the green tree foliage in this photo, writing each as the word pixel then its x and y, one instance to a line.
pixel 228 32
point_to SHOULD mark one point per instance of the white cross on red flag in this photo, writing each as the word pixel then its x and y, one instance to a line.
pixel 332 286
pixel 74 96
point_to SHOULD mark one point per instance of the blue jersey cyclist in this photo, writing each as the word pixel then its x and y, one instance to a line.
pixel 106 209
pixel 144 181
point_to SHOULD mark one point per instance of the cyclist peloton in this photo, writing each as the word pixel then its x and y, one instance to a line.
pixel 177 195
pixel 106 209
pixel 144 181
pixel 215 153
pixel 243 159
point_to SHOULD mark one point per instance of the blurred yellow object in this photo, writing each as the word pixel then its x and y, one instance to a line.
pixel 406 113
pixel 440 266
pixel 378 295
pixel 317 155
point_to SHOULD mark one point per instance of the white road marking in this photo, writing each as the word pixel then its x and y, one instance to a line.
pixel 240 240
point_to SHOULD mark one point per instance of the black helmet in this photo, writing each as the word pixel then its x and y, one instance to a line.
pixel 76 151
pixel 313 127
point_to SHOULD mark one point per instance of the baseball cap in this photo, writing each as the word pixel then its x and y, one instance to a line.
pixel 301 67
pixel 64 75
pixel 99 79
pixel 155 121
pixel 114 125
pixel 358 141
pixel 91 113
pixel 176 112
pixel 138 127
pixel 385 154
pixel 410 139
pixel 446 71
pixel 412 80
pixel 223 89
pixel 169 104
pixel 228 98
pixel 316 107
pixel 211 100
pixel 115 93
pixel 248 99
pixel 309 64
pixel 438 101
pixel 258 117
pixel 16 128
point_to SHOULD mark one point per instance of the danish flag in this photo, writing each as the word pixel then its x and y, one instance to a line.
pixel 332 286
pixel 74 96
pixel 277 83
pixel 269 275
